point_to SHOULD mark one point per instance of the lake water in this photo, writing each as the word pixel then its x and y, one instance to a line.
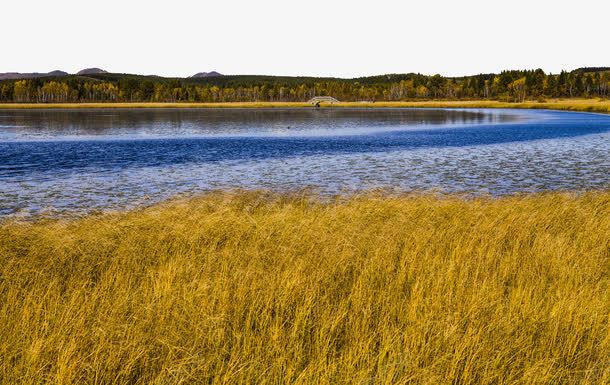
pixel 54 161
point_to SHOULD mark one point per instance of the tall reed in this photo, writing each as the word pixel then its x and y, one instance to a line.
pixel 245 288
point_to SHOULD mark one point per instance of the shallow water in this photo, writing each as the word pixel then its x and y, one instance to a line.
pixel 78 160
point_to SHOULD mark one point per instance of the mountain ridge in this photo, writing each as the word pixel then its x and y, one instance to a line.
pixel 210 74
pixel 91 71
pixel 31 75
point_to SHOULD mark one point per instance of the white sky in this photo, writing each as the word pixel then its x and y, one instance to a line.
pixel 313 37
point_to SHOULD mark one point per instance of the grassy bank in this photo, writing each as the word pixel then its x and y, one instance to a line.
pixel 255 288
pixel 584 105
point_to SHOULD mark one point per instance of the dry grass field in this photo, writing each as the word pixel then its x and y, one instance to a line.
pixel 583 105
pixel 259 288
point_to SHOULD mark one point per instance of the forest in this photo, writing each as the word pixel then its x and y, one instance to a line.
pixel 510 86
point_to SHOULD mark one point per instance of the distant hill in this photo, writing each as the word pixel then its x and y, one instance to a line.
pixel 91 71
pixel 207 74
pixel 31 75
pixel 58 73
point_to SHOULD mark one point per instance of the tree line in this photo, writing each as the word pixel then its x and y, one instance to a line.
pixel 514 86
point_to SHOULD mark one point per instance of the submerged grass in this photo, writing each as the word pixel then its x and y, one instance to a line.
pixel 583 105
pixel 259 288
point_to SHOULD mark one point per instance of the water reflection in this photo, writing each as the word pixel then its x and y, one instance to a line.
pixel 163 123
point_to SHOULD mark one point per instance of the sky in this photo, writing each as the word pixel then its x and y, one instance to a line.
pixel 314 37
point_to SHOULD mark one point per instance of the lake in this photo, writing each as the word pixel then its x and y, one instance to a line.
pixel 57 161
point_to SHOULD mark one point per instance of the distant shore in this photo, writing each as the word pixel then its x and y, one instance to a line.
pixel 583 105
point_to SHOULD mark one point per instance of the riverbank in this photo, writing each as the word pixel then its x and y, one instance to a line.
pixel 264 288
pixel 583 105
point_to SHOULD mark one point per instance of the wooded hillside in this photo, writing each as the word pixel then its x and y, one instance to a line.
pixel 513 86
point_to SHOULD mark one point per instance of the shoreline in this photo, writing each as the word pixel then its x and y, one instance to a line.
pixel 306 195
pixel 579 105
pixel 180 199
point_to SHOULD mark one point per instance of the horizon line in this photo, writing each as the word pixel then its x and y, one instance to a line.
pixel 296 76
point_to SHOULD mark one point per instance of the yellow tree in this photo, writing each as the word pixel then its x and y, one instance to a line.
pixel 518 90
pixel 21 92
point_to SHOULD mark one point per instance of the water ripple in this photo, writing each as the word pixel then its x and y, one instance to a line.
pixel 473 151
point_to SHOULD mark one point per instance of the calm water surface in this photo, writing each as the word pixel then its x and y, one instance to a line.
pixel 54 161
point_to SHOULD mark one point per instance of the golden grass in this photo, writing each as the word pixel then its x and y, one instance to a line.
pixel 583 105
pixel 245 288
